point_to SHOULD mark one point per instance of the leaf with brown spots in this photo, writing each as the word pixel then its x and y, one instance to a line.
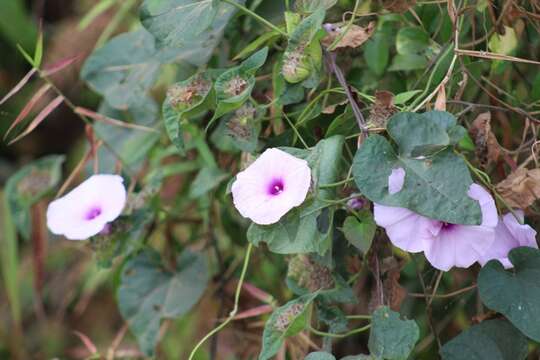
pixel 521 188
pixel 487 147
pixel 354 37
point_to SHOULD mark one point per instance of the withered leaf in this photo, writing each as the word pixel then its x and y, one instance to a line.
pixel 382 109
pixel 487 147
pixel 395 294
pixel 399 6
pixel 521 188
pixel 353 38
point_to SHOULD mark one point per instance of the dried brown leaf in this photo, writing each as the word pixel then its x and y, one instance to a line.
pixel 19 86
pixel 521 188
pixel 487 148
pixel 28 107
pixel 440 102
pixel 399 6
pixel 394 293
pixel 354 37
pixel 382 109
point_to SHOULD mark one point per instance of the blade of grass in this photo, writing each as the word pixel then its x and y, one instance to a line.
pixel 39 118
pixel 60 65
pixel 19 86
pixel 28 107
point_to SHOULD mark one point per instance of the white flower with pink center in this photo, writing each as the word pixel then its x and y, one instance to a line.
pixel 271 186
pixel 88 208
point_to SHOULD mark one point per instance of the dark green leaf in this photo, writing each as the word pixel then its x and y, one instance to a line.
pixel 309 6
pixel 29 185
pixel 408 62
pixel 148 292
pixel 489 340
pixel 515 293
pixel 391 338
pixel 287 320
pixel 377 53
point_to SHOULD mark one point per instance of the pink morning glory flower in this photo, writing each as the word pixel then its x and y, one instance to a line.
pixel 88 208
pixel 509 234
pixel 271 186
pixel 444 245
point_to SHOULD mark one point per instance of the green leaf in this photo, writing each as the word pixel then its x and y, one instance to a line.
pixel 186 30
pixel 207 179
pixel 130 145
pixel 258 42
pixel 148 292
pixel 309 6
pixel 514 293
pixel 489 340
pixel 287 320
pixel 408 62
pixel 377 53
pixel 320 355
pixel 391 338
pixel 417 134
pixel 411 40
pixel 360 232
pixel 29 185
pixel 38 53
pixel 123 69
pixel 307 228
pixel 435 187
pixel 404 97
pixel 17 25
pixel 234 86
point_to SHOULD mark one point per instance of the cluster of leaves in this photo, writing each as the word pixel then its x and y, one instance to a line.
pixel 216 115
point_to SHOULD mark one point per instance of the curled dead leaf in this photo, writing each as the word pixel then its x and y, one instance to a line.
pixel 487 147
pixel 382 109
pixel 354 37
pixel 521 188
pixel 440 102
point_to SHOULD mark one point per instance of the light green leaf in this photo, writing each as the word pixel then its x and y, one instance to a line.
pixel 391 338
pixel 186 30
pixel 408 62
pixel 287 320
pixel 320 355
pixel 207 179
pixel 514 293
pixel 123 69
pixel 489 340
pixel 360 232
pixel 148 292
pixel 411 40
pixel 29 185
pixel 307 228
pixel 404 97
pixel 309 6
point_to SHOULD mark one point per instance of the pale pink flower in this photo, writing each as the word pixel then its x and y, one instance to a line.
pixel 396 180
pixel 271 186
pixel 86 210
pixel 444 245
pixel 509 234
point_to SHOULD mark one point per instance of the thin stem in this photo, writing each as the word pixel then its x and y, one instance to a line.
pixel 255 16
pixel 295 131
pixel 362 317
pixel 444 296
pixel 235 308
pixel 339 336
pixel 330 185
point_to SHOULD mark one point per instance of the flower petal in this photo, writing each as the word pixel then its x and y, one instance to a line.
pixel 406 229
pixel 487 204
pixel 460 246
pixel 396 180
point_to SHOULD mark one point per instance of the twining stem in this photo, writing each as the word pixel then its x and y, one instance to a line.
pixel 232 314
pixel 255 16
pixel 352 332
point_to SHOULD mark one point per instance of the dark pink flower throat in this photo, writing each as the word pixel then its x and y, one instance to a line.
pixel 93 213
pixel 276 187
